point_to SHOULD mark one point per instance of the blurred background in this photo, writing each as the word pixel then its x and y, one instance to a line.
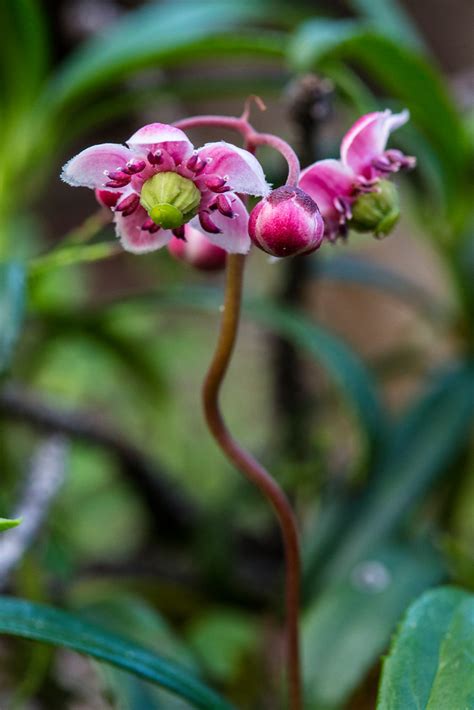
pixel 352 380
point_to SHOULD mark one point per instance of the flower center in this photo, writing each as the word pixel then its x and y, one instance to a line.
pixel 170 199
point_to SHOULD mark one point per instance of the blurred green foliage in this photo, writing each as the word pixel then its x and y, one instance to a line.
pixel 390 519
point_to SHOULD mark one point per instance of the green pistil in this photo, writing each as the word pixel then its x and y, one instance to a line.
pixel 170 199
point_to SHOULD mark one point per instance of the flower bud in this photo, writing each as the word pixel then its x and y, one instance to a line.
pixel 286 223
pixel 170 199
pixel 376 211
pixel 197 251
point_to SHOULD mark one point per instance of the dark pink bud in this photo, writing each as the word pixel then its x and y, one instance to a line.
pixel 286 223
pixel 106 198
pixel 128 205
pixel 197 251
pixel 216 183
pixel 207 224
pixel 134 166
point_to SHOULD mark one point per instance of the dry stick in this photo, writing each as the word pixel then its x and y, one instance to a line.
pixel 251 468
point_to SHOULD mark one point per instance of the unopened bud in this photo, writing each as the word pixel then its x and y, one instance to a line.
pixel 286 223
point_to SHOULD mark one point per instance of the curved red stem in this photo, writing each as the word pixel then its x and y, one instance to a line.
pixel 252 469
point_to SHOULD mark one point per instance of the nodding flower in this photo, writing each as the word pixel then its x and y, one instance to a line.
pixel 159 183
pixel 354 191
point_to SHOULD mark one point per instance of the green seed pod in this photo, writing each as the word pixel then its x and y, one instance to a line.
pixel 170 199
pixel 376 212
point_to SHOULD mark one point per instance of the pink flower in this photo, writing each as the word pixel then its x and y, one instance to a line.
pixel 163 184
pixel 336 184
pixel 195 249
pixel 286 223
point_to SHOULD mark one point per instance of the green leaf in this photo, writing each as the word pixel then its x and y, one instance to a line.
pixel 7 523
pixel 431 660
pixel 389 17
pixel 12 287
pixel 155 34
pixel 349 625
pixel 402 72
pixel 418 452
pixel 41 623
pixel 24 46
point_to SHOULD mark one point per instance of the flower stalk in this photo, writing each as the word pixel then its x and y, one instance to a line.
pixel 252 469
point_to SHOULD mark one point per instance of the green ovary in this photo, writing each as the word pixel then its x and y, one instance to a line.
pixel 170 199
pixel 376 212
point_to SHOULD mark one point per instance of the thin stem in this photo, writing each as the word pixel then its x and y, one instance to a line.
pixel 282 147
pixel 252 469
pixel 252 138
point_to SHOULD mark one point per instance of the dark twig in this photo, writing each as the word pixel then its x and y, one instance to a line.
pixel 171 514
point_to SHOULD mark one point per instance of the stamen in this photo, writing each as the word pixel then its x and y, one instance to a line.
pixel 207 224
pixel 118 183
pixel 343 206
pixel 128 205
pixel 216 184
pixel 224 205
pixel 195 164
pixel 150 226
pixel 117 175
pixel 179 233
pixel 134 166
pixel 155 158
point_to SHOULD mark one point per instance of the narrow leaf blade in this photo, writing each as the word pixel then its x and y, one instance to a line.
pixel 41 623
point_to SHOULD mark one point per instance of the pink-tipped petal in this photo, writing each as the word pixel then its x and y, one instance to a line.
pixel 367 138
pixel 325 181
pixel 135 239
pixel 89 168
pixel 234 238
pixel 161 136
pixel 239 168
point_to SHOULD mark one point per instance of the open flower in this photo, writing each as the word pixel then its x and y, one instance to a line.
pixel 363 168
pixel 162 184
